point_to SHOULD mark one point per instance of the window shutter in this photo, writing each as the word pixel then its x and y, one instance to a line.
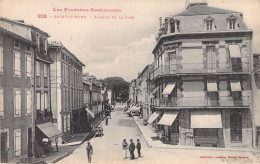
pixel 28 101
pixel 17 143
pixel 38 101
pixel 1 102
pixel 42 101
pixel 45 100
pixel 1 59
pixel 28 66
pixel 17 102
pixel 17 64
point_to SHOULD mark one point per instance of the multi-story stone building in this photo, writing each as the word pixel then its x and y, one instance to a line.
pixel 256 102
pixel 202 78
pixel 16 96
pixel 144 94
pixel 66 88
pixel 31 65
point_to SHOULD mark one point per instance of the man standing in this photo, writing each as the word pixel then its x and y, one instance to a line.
pixel 125 144
pixel 132 149
pixel 89 149
pixel 138 146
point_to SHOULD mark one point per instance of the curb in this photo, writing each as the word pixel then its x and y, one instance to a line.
pixel 143 134
pixel 59 158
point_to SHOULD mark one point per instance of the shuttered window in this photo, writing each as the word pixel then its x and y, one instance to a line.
pixel 1 59
pixel 17 64
pixel 17 102
pixel 1 102
pixel 28 101
pixel 17 142
pixel 28 66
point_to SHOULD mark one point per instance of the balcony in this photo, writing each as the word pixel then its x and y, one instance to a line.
pixel 223 101
pixel 199 68
pixel 43 116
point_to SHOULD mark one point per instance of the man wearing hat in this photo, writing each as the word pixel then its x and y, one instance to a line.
pixel 132 149
pixel 138 146
pixel 89 149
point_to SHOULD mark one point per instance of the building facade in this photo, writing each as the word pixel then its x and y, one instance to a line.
pixel 202 78
pixel 66 88
pixel 16 96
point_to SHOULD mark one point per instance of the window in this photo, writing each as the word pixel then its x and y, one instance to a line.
pixel 1 102
pixel 172 25
pixel 38 80
pixel 232 23
pixel 42 102
pixel 211 58
pixel 45 100
pixel 17 102
pixel 28 101
pixel 64 123
pixel 45 72
pixel 1 59
pixel 236 127
pixel 28 66
pixel 17 142
pixel 38 100
pixel 209 24
pixel 16 44
pixel 28 47
pixel 68 122
pixel 17 64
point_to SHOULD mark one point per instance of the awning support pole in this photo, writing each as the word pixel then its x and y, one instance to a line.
pixel 56 142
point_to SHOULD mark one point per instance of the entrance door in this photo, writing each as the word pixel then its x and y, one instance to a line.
pixel 30 152
pixel 4 150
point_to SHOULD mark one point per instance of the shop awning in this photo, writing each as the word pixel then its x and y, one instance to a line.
pixel 234 51
pixel 50 130
pixel 153 117
pixel 168 118
pixel 168 89
pixel 206 119
pixel 235 86
pixel 90 113
pixel 212 86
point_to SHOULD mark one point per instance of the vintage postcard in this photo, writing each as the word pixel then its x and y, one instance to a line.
pixel 127 81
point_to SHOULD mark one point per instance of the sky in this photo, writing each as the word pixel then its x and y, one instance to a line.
pixel 114 47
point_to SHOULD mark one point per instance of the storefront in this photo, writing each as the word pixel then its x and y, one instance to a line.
pixel 45 135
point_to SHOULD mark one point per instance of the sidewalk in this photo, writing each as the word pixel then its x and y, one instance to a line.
pixel 66 149
pixel 152 140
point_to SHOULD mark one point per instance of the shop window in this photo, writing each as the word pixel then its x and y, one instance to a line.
pixel 236 127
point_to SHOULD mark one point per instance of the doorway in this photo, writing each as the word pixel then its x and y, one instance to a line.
pixel 4 149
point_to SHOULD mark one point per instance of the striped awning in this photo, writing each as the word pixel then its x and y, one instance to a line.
pixel 168 118
pixel 168 89
pixel 153 117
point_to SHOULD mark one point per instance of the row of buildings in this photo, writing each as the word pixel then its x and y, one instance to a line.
pixel 201 89
pixel 42 93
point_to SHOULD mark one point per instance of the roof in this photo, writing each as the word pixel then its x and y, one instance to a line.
pixel 145 68
pixel 43 57
pixel 204 10
pixel 3 30
pixel 27 25
pixel 59 45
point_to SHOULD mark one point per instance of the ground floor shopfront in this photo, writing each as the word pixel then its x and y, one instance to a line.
pixel 204 127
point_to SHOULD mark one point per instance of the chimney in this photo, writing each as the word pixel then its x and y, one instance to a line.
pixel 192 3
pixel 160 22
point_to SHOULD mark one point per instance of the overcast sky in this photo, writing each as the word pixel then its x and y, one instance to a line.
pixel 115 47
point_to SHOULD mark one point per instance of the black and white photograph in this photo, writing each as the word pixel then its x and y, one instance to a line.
pixel 127 81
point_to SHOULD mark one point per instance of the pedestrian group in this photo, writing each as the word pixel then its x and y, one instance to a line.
pixel 131 148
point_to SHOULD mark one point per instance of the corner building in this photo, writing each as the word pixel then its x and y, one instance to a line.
pixel 202 78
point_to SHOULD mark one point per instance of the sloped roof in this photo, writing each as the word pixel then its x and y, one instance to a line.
pixel 43 57
pixel 10 33
pixel 204 10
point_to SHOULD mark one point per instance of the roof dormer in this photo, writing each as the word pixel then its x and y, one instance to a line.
pixel 209 23
pixel 232 23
